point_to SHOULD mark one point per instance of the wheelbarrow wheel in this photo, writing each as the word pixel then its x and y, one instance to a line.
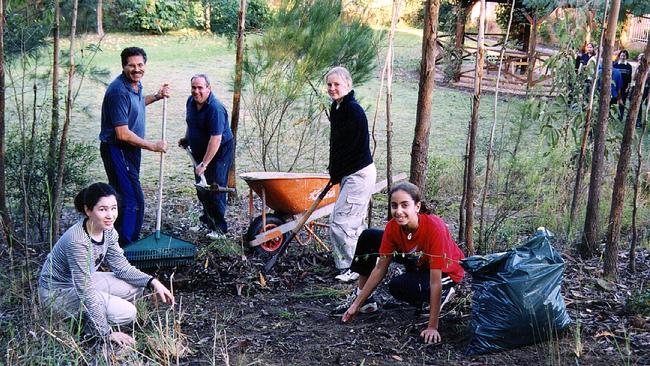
pixel 267 249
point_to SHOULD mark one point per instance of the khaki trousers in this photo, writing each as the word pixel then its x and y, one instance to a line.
pixel 117 297
pixel 350 210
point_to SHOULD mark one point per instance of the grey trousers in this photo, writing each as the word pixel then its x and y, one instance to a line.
pixel 117 296
pixel 350 209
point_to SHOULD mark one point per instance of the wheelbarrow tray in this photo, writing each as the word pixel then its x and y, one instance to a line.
pixel 323 210
pixel 290 193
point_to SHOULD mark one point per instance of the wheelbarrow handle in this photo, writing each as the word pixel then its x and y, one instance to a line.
pixel 283 247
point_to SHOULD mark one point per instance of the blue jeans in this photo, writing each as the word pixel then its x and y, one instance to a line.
pixel 214 203
pixel 122 165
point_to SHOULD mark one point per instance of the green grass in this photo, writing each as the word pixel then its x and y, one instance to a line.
pixel 174 59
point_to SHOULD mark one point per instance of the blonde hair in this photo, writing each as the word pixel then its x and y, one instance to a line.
pixel 341 72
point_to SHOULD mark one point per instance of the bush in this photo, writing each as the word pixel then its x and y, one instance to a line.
pixel 639 302
pixel 26 176
pixel 159 16
pixel 282 71
pixel 225 13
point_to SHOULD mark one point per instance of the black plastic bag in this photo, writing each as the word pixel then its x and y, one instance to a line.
pixel 517 299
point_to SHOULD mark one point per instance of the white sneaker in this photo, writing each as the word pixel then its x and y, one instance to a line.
pixel 347 276
pixel 215 235
pixel 369 306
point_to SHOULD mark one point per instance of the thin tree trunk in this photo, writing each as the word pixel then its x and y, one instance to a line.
pixel 6 221
pixel 236 97
pixel 58 188
pixel 482 243
pixel 473 129
pixel 618 192
pixel 100 18
pixel 463 197
pixel 420 147
pixel 389 97
pixel 585 135
pixel 207 14
pixel 589 244
pixel 54 132
pixel 461 18
pixel 532 45
pixel 639 161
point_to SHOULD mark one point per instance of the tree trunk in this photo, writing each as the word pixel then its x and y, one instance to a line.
pixel 389 98
pixel 420 147
pixel 236 97
pixel 473 129
pixel 482 239
pixel 459 45
pixel 589 244
pixel 618 192
pixel 532 46
pixel 100 18
pixel 639 162
pixel 58 188
pixel 585 135
pixel 54 132
pixel 207 14
pixel 6 221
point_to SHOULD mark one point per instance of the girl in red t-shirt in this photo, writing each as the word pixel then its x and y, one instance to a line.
pixel 423 244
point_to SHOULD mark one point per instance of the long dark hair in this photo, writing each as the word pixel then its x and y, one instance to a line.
pixel 89 196
pixel 413 191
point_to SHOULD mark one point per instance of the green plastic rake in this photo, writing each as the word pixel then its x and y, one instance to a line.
pixel 160 250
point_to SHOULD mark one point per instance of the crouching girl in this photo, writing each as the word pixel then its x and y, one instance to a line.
pixel 423 244
pixel 69 282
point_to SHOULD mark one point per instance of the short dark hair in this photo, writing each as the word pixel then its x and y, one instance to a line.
pixel 89 196
pixel 627 54
pixel 132 51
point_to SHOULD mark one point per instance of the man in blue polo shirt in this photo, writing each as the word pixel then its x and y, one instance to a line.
pixel 122 138
pixel 209 136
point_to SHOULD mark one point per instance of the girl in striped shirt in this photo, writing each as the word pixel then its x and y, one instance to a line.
pixel 70 283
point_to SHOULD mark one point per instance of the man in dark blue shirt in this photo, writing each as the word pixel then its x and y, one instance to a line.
pixel 122 138
pixel 209 136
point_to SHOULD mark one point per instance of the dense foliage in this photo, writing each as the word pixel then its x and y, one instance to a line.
pixel 284 70
pixel 161 16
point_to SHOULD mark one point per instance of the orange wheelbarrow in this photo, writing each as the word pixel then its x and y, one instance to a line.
pixel 290 196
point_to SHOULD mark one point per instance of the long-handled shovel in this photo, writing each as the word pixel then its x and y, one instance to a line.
pixel 283 247
pixel 157 249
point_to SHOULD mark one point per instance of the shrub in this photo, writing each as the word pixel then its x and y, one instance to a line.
pixel 282 71
pixel 225 13
pixel 26 175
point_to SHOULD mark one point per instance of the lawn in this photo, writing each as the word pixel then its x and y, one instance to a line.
pixel 174 59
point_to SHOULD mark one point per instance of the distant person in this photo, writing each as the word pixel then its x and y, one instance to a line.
pixel 209 136
pixel 644 98
pixel 122 138
pixel 586 56
pixel 616 85
pixel 624 67
pixel 70 282
pixel 351 165
pixel 422 243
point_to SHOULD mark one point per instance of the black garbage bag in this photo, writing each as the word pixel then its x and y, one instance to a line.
pixel 517 299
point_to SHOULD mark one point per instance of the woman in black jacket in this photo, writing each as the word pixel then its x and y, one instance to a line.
pixel 350 165
pixel 626 73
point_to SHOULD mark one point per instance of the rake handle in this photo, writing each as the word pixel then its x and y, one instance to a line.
pixel 160 171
